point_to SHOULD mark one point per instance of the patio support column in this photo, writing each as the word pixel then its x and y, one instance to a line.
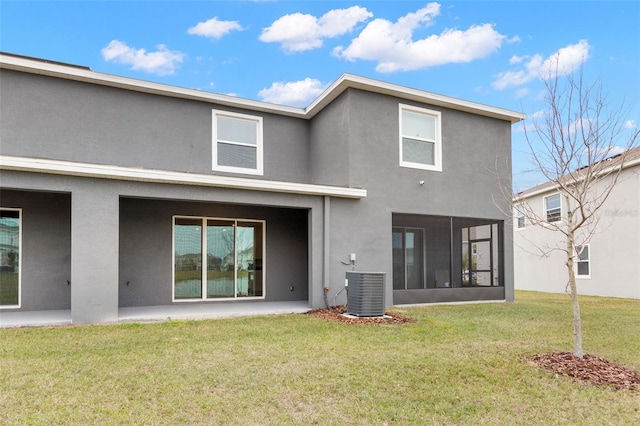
pixel 506 247
pixel 326 239
pixel 94 253
pixel 318 252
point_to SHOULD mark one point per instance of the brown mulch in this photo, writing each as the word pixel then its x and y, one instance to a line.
pixel 590 369
pixel 337 313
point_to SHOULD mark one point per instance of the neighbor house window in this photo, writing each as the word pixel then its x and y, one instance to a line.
pixel 553 208
pixel 520 216
pixel 217 258
pixel 420 138
pixel 10 246
pixel 583 266
pixel 237 143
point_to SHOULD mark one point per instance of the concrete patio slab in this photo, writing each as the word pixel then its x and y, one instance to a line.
pixel 186 311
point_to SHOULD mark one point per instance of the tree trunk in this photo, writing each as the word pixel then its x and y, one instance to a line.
pixel 577 320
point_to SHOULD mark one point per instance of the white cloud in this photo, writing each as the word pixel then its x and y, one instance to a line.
pixel 299 32
pixel 215 29
pixel 295 93
pixel 515 59
pixel 162 62
pixel 630 124
pixel 392 45
pixel 563 61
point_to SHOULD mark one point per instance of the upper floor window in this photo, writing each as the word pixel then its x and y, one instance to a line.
pixel 583 269
pixel 420 138
pixel 520 217
pixel 553 208
pixel 237 143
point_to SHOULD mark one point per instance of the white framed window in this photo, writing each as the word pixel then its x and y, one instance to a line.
pixel 583 261
pixel 420 138
pixel 237 143
pixel 218 258
pixel 520 217
pixel 10 256
pixel 553 208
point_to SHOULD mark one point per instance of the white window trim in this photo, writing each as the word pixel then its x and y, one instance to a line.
pixel 545 210
pixel 437 149
pixel 577 260
pixel 259 170
pixel 19 305
pixel 204 297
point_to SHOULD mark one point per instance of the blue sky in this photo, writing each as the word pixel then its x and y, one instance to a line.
pixel 287 52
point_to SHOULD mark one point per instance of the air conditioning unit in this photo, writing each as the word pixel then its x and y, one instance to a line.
pixel 365 294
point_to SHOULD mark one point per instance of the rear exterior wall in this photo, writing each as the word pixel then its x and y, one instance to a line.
pixel 52 118
pixel 468 186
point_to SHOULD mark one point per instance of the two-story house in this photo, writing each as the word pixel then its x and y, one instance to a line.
pixel 607 257
pixel 119 193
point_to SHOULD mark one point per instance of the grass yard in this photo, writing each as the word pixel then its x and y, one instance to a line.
pixel 457 364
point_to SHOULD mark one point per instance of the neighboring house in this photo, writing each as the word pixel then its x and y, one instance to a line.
pixel 129 193
pixel 608 263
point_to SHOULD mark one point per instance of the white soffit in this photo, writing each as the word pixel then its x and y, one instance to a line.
pixel 103 171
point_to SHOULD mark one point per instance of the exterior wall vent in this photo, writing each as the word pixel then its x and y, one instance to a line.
pixel 365 294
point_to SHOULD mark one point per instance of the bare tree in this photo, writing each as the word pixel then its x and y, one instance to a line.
pixel 580 145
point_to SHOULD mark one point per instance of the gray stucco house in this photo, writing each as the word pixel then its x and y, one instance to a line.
pixel 119 193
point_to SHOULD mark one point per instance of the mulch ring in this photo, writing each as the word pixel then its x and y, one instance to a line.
pixel 338 313
pixel 590 369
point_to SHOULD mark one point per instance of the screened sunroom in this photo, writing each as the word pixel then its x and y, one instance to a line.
pixel 445 259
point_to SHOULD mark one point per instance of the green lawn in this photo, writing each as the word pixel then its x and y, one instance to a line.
pixel 457 364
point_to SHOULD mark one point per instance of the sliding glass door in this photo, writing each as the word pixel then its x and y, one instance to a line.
pixel 408 258
pixel 232 266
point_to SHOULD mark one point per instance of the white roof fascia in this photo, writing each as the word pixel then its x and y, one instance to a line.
pixel 345 81
pixel 357 82
pixel 526 195
pixel 69 168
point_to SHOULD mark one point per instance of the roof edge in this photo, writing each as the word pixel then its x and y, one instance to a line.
pixel 347 81
pixel 344 82
pixel 551 186
pixel 84 74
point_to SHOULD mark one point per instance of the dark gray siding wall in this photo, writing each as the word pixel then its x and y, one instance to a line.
pixel 467 186
pixel 46 248
pixel 330 146
pixel 146 259
pixel 52 118
pixel 472 145
pixel 352 142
